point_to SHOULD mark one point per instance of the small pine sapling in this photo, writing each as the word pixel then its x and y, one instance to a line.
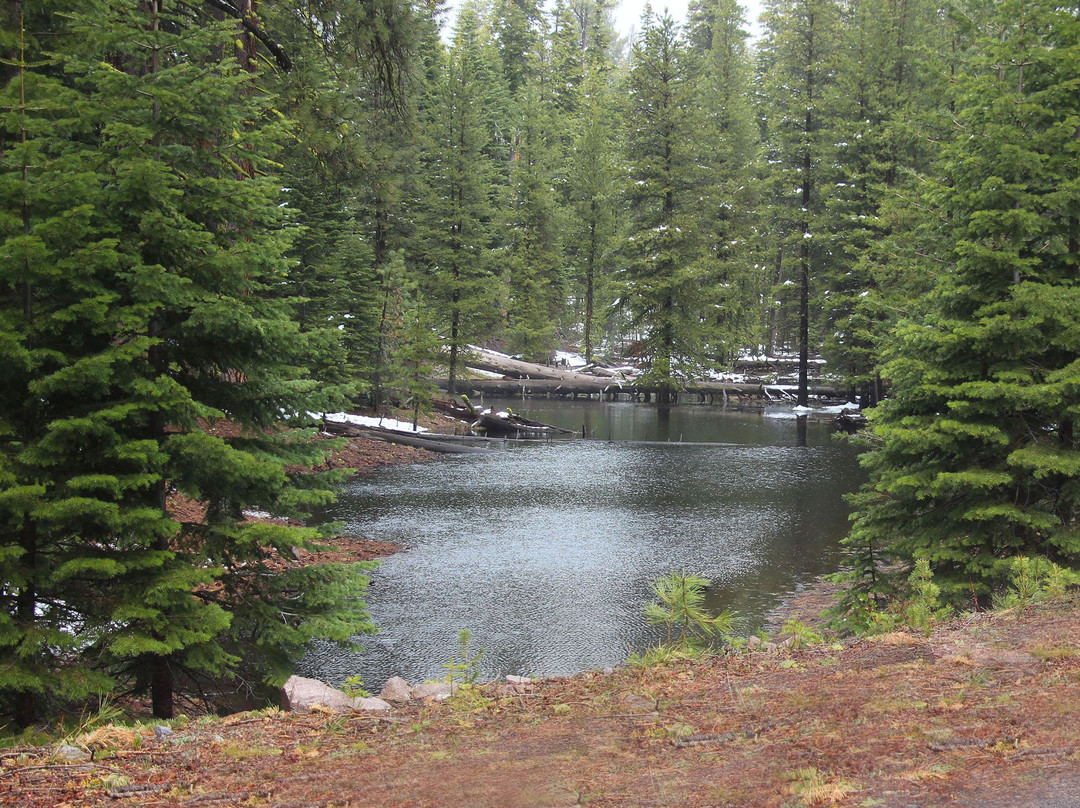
pixel 679 607
pixel 925 609
pixel 463 667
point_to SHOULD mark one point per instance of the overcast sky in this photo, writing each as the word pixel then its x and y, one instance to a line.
pixel 628 14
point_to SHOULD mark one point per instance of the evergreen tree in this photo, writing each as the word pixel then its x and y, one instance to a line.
pixel 582 91
pixel 45 188
pixel 410 339
pixel 977 459
pixel 515 24
pixel 532 224
pixel 731 137
pixel 568 67
pixel 592 190
pixel 464 168
pixel 889 90
pixel 144 224
pixel 670 268
pixel 350 93
pixel 799 52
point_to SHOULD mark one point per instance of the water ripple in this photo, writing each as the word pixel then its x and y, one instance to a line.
pixel 545 552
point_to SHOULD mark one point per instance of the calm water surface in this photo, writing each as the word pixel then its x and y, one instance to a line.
pixel 544 552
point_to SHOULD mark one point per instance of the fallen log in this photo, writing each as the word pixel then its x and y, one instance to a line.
pixel 515 368
pixel 588 386
pixel 507 423
pixel 417 440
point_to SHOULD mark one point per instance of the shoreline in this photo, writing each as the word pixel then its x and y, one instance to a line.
pixel 977 712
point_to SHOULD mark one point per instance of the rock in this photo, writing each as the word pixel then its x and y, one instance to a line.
pixel 396 689
pixel 433 691
pixel 608 670
pixel 753 641
pixel 71 754
pixel 520 680
pixel 371 705
pixel 638 704
pixel 299 694
pixel 161 732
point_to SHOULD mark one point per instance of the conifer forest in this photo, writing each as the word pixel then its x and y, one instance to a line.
pixel 233 210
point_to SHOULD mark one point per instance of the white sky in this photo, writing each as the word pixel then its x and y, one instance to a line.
pixel 628 14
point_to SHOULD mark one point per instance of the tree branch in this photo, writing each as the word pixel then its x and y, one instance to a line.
pixel 250 25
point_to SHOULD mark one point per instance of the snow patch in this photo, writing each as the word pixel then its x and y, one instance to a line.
pixel 370 421
pixel 573 360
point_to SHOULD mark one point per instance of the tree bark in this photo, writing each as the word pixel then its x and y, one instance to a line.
pixel 161 687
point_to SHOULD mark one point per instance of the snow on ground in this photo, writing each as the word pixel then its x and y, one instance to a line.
pixel 780 357
pixel 796 411
pixel 571 360
pixel 485 374
pixel 724 376
pixel 370 421
pixel 488 351
pixel 839 408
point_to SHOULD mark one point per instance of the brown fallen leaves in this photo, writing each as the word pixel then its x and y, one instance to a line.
pixel 982 713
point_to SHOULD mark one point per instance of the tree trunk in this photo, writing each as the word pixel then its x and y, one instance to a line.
pixel 804 329
pixel 26 615
pixel 161 687
pixel 590 287
pixel 451 386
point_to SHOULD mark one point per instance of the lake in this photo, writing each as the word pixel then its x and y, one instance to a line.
pixel 545 551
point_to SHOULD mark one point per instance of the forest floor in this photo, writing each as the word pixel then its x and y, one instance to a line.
pixel 983 712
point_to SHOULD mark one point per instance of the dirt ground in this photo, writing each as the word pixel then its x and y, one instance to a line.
pixel 984 712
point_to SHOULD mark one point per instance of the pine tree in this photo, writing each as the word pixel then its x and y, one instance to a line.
pixel 515 24
pixel 667 288
pixel 889 90
pixel 410 338
pixel 532 224
pixel 977 459
pixel 465 127
pixel 350 93
pixel 730 135
pixel 152 254
pixel 568 69
pixel 45 187
pixel 799 58
pixel 592 192
pixel 582 94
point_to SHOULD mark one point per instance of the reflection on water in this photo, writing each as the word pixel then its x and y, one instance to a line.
pixel 544 552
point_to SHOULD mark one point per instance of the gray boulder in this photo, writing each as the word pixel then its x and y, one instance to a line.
pixel 301 695
pixel 371 705
pixel 396 689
